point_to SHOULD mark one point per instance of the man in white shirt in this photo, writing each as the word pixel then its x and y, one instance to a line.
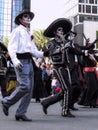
pixel 21 51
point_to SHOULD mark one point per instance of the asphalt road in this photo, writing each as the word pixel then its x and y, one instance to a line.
pixel 86 119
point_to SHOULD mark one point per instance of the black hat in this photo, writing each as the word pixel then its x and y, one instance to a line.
pixel 61 22
pixel 21 14
pixel 71 32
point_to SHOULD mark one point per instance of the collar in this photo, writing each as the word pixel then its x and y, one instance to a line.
pixel 25 28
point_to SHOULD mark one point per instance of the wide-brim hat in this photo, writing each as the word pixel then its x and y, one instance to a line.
pixel 21 14
pixel 61 22
pixel 71 32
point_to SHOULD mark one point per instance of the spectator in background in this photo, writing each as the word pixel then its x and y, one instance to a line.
pixel 55 85
pixel 48 82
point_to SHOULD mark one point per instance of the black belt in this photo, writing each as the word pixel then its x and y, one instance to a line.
pixel 24 56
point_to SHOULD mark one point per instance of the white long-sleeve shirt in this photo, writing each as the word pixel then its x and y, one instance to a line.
pixel 20 42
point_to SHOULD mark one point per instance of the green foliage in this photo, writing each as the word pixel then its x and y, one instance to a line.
pixel 6 41
pixel 39 39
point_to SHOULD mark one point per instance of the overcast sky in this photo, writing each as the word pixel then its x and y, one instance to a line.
pixel 45 12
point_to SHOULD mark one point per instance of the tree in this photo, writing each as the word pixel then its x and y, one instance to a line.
pixel 6 41
pixel 39 39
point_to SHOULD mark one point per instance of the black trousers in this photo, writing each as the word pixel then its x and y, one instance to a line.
pixel 63 75
pixel 76 86
pixel 3 86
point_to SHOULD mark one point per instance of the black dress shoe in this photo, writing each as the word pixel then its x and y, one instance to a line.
pixel 67 114
pixel 5 109
pixel 74 109
pixel 44 108
pixel 93 106
pixel 37 100
pixel 23 118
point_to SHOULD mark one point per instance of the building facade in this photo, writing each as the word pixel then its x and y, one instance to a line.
pixel 8 11
pixel 84 16
pixel 82 13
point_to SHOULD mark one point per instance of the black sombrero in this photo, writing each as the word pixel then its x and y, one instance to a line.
pixel 61 22
pixel 20 15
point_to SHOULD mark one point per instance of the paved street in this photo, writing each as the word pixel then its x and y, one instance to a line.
pixel 86 119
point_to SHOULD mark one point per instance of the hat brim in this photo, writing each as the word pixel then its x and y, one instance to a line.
pixel 61 22
pixel 75 34
pixel 21 14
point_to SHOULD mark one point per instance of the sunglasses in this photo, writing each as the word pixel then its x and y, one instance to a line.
pixel 60 29
pixel 26 16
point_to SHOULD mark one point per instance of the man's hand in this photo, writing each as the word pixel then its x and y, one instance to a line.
pixel 46 53
pixel 19 66
pixel 67 45
pixel 61 36
pixel 86 53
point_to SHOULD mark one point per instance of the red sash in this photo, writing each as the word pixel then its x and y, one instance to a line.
pixel 89 69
